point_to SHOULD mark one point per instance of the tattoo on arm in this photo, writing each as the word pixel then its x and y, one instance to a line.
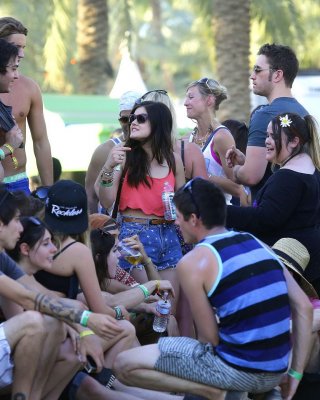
pixel 57 308
pixel 19 396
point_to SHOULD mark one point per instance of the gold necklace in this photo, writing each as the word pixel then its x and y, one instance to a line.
pixel 200 141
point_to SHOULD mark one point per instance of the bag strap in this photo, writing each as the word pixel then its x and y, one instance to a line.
pixel 116 203
pixel 182 153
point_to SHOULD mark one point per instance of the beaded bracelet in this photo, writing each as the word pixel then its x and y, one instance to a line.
pixel 145 291
pixel 86 332
pixel 84 318
pixel 118 311
pixel 294 374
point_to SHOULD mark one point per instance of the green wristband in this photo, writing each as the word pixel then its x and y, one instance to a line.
pixel 145 291
pixel 84 318
pixel 106 184
pixel 2 155
pixel 294 374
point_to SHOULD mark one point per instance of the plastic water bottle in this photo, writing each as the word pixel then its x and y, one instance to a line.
pixel 163 307
pixel 167 200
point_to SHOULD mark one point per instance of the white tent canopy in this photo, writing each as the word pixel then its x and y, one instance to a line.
pixel 128 78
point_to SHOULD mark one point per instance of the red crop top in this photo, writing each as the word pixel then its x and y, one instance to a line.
pixel 143 198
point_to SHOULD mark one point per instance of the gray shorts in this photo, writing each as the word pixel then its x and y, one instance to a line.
pixel 6 365
pixel 189 359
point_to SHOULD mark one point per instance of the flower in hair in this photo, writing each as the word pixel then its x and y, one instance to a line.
pixel 285 121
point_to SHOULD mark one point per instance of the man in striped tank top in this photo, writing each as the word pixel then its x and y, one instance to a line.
pixel 235 279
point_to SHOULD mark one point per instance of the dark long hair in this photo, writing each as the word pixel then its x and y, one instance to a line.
pixel 137 163
pixel 101 245
pixel 33 231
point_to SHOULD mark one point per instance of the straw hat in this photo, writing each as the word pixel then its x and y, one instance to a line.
pixel 295 257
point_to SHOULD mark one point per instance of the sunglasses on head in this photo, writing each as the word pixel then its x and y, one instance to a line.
pixel 34 221
pixel 142 98
pixel 41 192
pixel 205 81
pixel 188 188
pixel 124 119
pixel 108 227
pixel 141 118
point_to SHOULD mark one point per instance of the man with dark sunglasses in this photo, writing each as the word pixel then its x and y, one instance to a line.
pixel 235 279
pixel 273 74
pixel 127 101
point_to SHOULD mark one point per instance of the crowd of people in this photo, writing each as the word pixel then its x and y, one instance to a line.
pixel 224 221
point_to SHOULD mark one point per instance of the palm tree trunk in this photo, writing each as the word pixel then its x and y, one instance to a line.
pixel 231 24
pixel 92 40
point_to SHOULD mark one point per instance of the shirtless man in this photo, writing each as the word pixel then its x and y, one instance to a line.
pixel 26 101
pixel 12 135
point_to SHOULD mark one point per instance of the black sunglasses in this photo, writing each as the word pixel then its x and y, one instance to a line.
pixel 188 188
pixel 204 81
pixel 141 118
pixel 41 192
pixel 124 119
pixel 109 226
pixel 34 221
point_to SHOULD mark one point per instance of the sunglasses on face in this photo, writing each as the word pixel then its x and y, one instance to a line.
pixel 124 119
pixel 188 188
pixel 141 118
pixel 257 69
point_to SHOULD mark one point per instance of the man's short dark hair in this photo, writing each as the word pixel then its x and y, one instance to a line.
pixel 202 197
pixel 9 205
pixel 281 57
pixel 7 52
pixel 10 26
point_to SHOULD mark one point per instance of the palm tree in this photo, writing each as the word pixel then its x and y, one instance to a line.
pixel 231 27
pixel 92 40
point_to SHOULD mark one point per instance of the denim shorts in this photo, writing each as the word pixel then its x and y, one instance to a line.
pixel 160 242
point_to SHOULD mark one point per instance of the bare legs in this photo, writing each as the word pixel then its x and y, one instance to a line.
pixel 135 367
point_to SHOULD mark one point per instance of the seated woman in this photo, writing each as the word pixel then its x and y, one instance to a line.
pixel 139 298
pixel 288 204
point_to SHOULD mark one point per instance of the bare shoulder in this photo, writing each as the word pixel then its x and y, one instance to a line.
pixel 223 134
pixel 26 83
pixel 193 148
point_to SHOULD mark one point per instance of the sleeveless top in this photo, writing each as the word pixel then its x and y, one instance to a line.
pixel 251 300
pixel 68 285
pixel 213 162
pixel 148 200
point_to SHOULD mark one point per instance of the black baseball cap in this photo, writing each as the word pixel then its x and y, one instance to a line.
pixel 66 208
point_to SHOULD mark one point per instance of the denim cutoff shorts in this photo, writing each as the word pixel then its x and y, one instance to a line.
pixel 160 242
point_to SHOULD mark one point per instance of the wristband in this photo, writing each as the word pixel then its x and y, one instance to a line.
pixel 2 155
pixel 118 311
pixel 87 332
pixel 84 318
pixel 157 286
pixel 294 374
pixel 106 183
pixel 145 291
pixel 148 261
pixel 9 147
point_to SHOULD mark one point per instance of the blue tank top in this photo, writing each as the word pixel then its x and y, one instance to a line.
pixel 251 300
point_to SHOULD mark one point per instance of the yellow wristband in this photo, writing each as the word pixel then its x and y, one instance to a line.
pixel 9 147
pixel 87 332
pixel 157 286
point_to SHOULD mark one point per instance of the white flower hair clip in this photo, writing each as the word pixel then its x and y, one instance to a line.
pixel 285 121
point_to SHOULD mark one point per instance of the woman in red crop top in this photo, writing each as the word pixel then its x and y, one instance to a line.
pixel 149 161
